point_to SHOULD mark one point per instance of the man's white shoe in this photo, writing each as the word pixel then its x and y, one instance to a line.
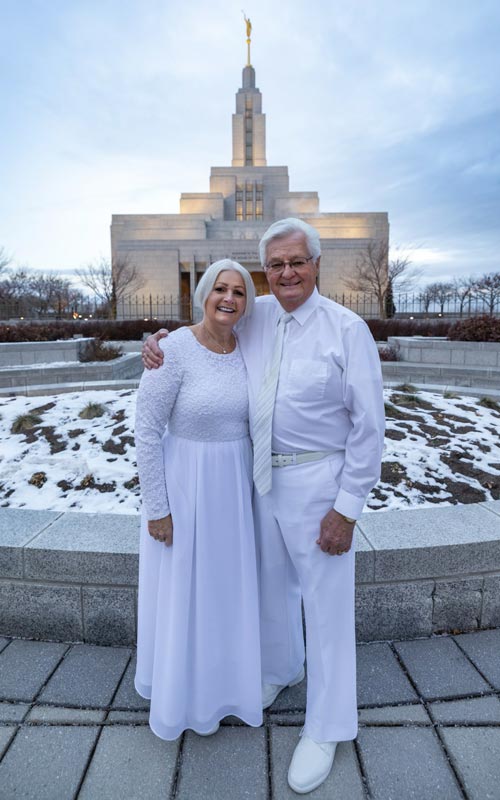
pixel 310 765
pixel 270 691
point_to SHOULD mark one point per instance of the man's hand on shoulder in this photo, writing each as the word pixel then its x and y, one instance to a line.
pixel 335 534
pixel 152 356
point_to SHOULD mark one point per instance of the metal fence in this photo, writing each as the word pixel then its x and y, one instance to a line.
pixel 170 307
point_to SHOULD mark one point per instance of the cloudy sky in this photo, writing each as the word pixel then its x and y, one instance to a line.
pixel 117 106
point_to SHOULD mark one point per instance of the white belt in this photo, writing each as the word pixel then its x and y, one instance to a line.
pixel 287 459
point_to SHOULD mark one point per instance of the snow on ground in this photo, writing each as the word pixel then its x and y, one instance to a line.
pixel 438 450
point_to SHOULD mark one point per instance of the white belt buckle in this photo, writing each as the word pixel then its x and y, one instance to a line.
pixel 284 459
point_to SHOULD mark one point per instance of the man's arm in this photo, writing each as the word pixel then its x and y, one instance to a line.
pixel 152 356
pixel 363 397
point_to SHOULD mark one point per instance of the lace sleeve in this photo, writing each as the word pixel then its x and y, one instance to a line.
pixel 156 396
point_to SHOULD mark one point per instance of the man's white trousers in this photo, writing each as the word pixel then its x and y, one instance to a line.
pixel 292 565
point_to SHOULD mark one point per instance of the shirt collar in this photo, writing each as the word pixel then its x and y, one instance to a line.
pixel 303 312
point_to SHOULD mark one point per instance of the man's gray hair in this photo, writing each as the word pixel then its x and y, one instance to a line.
pixel 210 276
pixel 284 227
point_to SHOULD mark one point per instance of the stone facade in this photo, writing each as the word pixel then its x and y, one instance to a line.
pixel 171 251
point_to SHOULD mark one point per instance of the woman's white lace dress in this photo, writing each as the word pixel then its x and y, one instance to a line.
pixel 198 652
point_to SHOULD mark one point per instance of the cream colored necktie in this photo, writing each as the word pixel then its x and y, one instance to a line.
pixel 263 422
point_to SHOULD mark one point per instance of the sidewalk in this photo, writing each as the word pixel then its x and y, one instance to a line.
pixel 71 725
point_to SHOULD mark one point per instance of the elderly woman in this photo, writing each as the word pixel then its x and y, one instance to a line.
pixel 198 656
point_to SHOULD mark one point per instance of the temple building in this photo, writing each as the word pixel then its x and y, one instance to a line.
pixel 171 251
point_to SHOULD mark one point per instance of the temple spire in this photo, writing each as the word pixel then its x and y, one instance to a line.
pixel 249 37
pixel 249 123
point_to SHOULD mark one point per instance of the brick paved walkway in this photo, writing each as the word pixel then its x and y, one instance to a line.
pixel 71 725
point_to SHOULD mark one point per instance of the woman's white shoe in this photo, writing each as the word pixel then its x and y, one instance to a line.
pixel 311 764
pixel 211 731
pixel 270 691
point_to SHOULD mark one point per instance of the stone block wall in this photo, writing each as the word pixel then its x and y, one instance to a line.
pixel 73 576
pixel 28 353
pixel 437 350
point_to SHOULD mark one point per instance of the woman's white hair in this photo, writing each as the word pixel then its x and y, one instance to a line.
pixel 284 227
pixel 210 276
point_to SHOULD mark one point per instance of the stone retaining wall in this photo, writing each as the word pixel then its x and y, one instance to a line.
pixel 438 350
pixel 127 366
pixel 24 353
pixel 73 577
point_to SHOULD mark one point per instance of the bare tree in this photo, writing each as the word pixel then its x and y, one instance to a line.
pixel 110 283
pixel 425 299
pixel 439 292
pixel 374 273
pixel 463 289
pixel 5 259
pixel 49 292
pixel 487 289
pixel 4 263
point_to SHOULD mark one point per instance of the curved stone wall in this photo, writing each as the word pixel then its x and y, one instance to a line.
pixel 73 576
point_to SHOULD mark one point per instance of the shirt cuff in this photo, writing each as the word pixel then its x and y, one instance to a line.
pixel 348 504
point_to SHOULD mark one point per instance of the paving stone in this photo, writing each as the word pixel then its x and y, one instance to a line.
pixel 60 715
pixel 343 782
pixel 286 717
pixel 130 717
pixel 13 712
pixel 25 666
pixel 406 763
pixel 130 763
pixel 6 734
pixel 463 712
pixel 457 604
pixel 393 611
pixel 40 611
pixel 395 715
pixel 17 528
pixel 231 765
pixel 109 615
pixel 88 676
pixel 380 679
pixel 440 669
pixel 475 755
pixel 3 643
pixel 46 763
pixel 126 696
pixel 86 548
pixel 433 542
pixel 483 648
pixel 490 616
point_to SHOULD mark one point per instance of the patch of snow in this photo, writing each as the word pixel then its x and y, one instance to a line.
pixel 419 480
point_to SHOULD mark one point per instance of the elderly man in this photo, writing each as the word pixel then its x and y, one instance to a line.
pixel 317 423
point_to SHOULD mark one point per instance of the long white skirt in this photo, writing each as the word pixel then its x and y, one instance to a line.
pixel 198 650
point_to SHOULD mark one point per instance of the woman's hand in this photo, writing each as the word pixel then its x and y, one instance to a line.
pixel 162 529
pixel 152 356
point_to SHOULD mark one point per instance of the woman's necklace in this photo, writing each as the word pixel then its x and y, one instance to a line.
pixel 214 340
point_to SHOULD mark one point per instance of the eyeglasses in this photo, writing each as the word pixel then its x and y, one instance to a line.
pixel 275 267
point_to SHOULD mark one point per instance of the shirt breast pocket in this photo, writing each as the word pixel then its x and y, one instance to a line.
pixel 307 379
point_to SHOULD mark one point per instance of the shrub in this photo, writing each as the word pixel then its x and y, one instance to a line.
pixel 97 350
pixel 488 402
pixel 476 329
pixel 38 479
pixel 25 422
pixel 389 353
pixel 382 328
pixel 91 411
pixel 101 329
pixel 408 388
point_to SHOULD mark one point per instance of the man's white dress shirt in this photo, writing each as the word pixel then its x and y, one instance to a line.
pixel 329 396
